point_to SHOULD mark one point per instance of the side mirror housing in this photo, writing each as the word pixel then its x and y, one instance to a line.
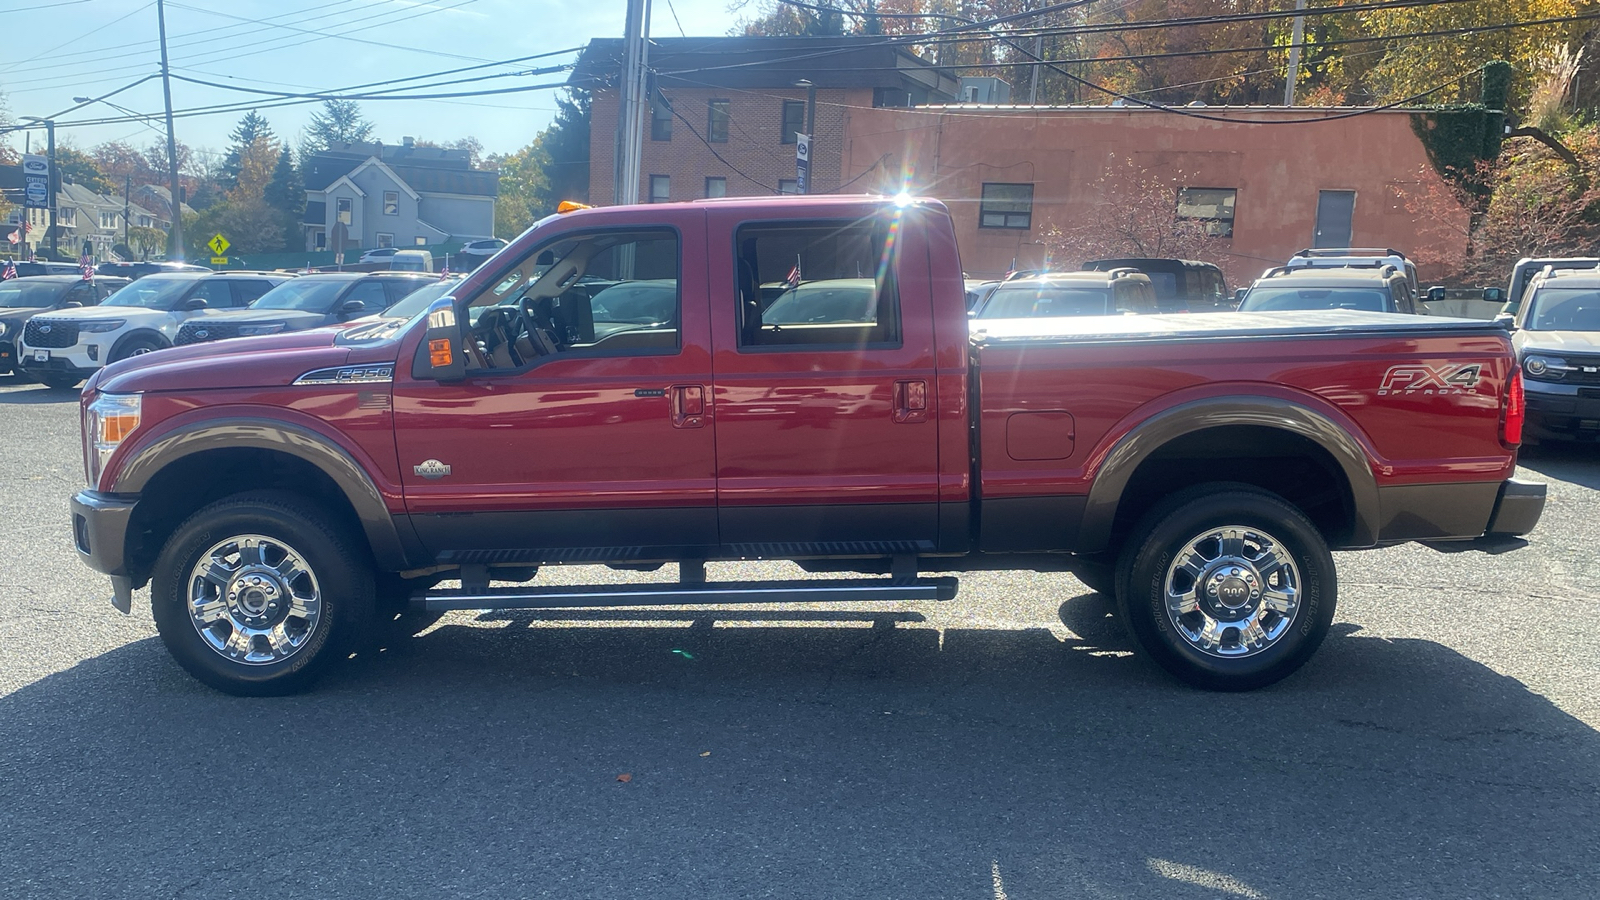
pixel 72 304
pixel 1238 296
pixel 440 357
pixel 1506 321
pixel 1436 293
pixel 352 306
pixel 1494 295
pixel 194 303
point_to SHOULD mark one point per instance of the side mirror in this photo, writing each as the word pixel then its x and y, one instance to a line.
pixel 439 357
pixel 72 304
pixel 352 306
pixel 1506 321
pixel 1238 295
pixel 1436 293
pixel 1494 295
pixel 195 303
pixel 972 314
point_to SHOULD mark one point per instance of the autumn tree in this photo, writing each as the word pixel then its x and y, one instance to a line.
pixel 1135 214
pixel 1412 67
pixel 77 167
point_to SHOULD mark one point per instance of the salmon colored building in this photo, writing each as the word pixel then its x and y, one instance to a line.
pixel 1274 181
pixel 1268 181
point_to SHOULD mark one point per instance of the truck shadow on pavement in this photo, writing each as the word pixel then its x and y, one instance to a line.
pixel 797 754
pixel 1577 463
pixel 27 393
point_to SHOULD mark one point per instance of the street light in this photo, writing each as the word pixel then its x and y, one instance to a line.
pixel 811 124
pixel 51 181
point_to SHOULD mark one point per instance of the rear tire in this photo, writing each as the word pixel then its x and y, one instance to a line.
pixel 1227 587
pixel 259 594
pixel 59 382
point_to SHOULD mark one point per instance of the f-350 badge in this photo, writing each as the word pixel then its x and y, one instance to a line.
pixel 431 469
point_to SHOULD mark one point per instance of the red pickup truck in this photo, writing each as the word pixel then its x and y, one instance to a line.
pixel 781 379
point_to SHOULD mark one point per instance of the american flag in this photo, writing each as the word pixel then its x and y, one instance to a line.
pixel 9 272
pixel 20 233
pixel 87 265
pixel 793 280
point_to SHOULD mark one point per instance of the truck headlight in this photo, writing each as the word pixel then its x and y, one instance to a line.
pixel 112 417
pixel 267 328
pixel 101 327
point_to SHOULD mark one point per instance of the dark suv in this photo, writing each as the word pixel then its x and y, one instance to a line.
pixel 23 298
pixel 1557 338
pixel 1374 289
pixel 1118 292
pixel 140 269
pixel 308 302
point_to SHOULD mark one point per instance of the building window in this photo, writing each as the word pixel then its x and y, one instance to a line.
pixel 716 186
pixel 794 119
pixel 717 122
pixel 420 241
pixel 660 121
pixel 322 240
pixel 344 210
pixel 1006 206
pixel 1211 206
pixel 385 240
pixel 891 98
pixel 788 186
pixel 108 220
pixel 391 203
pixel 66 215
pixel 660 188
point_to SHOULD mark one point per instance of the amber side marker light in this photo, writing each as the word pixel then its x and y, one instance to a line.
pixel 567 206
pixel 439 353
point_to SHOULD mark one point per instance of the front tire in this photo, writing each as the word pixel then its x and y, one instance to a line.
pixel 1227 587
pixel 138 346
pixel 258 594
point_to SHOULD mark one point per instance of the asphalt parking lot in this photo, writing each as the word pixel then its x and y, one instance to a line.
pixel 1006 745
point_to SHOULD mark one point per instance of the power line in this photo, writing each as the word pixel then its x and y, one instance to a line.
pixel 323 34
pixel 735 169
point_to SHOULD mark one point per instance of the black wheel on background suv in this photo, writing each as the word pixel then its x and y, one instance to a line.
pixel 58 382
pixel 258 594
pixel 137 346
pixel 1227 586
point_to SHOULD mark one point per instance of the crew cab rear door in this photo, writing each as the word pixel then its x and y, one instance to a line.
pixel 588 435
pixel 824 390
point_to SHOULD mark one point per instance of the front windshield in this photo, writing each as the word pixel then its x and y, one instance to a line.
pixel 303 294
pixel 152 292
pixel 1280 298
pixel 21 293
pixel 1564 309
pixel 1027 301
pixel 419 300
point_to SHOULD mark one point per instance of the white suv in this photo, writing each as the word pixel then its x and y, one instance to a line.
pixel 63 348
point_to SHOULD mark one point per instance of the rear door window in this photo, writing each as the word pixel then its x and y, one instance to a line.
pixel 248 290
pixel 816 284
pixel 82 293
pixel 370 293
pixel 217 292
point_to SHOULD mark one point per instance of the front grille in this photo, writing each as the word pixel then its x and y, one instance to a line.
pixel 200 332
pixel 50 335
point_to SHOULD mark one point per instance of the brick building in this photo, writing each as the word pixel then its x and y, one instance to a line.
pixel 724 111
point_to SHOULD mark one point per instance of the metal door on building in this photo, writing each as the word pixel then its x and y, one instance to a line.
pixel 1335 212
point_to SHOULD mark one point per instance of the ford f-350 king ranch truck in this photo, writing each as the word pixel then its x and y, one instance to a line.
pixel 787 379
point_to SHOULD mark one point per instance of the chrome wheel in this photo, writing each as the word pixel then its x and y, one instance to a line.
pixel 1232 591
pixel 254 600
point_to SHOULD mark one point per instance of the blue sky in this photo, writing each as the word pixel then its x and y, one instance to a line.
pixel 55 50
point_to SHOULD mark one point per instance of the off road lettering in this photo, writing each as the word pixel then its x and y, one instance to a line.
pixel 1448 378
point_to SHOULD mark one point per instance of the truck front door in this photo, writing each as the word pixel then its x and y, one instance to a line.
pixel 824 390
pixel 582 430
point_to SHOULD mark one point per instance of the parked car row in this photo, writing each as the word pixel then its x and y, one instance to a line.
pixel 60 329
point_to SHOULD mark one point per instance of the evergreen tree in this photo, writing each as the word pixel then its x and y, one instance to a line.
pixel 286 194
pixel 251 128
pixel 338 122
pixel 564 153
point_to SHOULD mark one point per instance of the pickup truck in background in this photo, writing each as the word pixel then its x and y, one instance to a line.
pixel 610 389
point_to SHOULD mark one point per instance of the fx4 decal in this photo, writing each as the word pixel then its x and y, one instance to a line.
pixel 1420 378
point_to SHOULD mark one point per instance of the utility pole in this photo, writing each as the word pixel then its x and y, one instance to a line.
pixel 1295 41
pixel 172 140
pixel 1038 56
pixel 127 188
pixel 630 126
pixel 53 182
